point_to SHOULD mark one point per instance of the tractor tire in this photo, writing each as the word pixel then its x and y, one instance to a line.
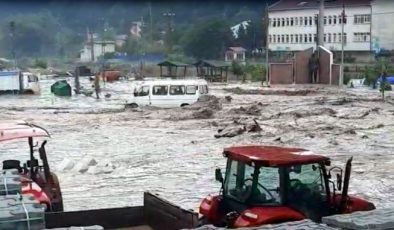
pixel 132 106
pixel 202 221
pixel 58 206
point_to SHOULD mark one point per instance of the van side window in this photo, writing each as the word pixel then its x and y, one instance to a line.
pixel 191 89
pixel 177 90
pixel 160 90
pixel 142 91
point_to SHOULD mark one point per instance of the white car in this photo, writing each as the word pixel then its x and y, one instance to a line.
pixel 167 93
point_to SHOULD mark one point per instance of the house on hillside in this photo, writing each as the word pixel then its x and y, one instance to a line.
pixel 235 54
pixel 136 29
pixel 99 49
pixel 120 40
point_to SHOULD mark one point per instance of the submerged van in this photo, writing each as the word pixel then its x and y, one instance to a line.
pixel 168 93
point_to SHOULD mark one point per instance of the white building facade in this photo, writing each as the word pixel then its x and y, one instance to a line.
pixel 292 25
pixel 99 49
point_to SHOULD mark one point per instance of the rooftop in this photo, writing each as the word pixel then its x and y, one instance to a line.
pixel 211 63
pixel 314 4
pixel 237 49
pixel 273 156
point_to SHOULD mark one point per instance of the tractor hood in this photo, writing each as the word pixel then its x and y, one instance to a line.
pixel 266 215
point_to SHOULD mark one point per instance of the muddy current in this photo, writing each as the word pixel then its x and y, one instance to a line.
pixel 173 152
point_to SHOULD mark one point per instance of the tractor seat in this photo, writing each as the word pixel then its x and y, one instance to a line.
pixel 12 164
pixel 32 164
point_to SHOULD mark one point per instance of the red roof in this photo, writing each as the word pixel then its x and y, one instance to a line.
pixel 10 130
pixel 314 4
pixel 272 156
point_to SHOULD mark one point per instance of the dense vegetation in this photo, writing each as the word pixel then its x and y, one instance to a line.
pixel 200 29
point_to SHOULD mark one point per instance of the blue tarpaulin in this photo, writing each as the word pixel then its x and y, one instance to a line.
pixel 389 79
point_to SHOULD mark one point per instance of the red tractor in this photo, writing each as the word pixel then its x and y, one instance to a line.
pixel 268 185
pixel 37 179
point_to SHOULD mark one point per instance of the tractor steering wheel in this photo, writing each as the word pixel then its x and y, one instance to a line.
pixel 265 189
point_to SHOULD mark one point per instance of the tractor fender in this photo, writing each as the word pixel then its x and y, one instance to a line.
pixel 355 204
pixel 258 216
pixel 32 188
pixel 210 209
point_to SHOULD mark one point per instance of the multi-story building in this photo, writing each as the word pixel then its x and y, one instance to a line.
pixel 293 25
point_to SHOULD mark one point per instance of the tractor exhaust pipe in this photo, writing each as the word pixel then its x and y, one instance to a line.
pixel 342 204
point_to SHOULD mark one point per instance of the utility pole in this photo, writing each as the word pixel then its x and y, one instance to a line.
pixel 150 22
pixel 321 24
pixel 266 23
pixel 12 34
pixel 91 45
pixel 169 30
pixel 343 45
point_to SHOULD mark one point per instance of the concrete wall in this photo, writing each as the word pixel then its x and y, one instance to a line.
pixel 302 66
pixel 382 24
pixel 281 73
pixel 325 61
pixel 335 74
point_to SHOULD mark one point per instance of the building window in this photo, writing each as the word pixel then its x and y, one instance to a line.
pixel 340 19
pixel 344 38
pixel 283 38
pixel 300 38
pixel 296 21
pixel 329 20
pixel 334 20
pixel 300 21
pixel 287 38
pixel 315 38
pixel 361 37
pixel 305 38
pixel 367 19
pixel 310 38
pixel 334 38
pixel 305 21
pixel 362 19
pixel 292 21
pixel 283 22
pixel 296 38
pixel 340 37
pixel 273 22
pixel 329 38
pixel 287 22
pixel 325 38
pixel 310 21
pixel 270 38
pixel 291 38
pixel 325 20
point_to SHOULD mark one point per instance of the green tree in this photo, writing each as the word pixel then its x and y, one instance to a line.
pixel 208 39
pixel 237 69
pixel 34 34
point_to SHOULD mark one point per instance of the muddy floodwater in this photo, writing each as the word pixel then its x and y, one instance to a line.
pixel 173 155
